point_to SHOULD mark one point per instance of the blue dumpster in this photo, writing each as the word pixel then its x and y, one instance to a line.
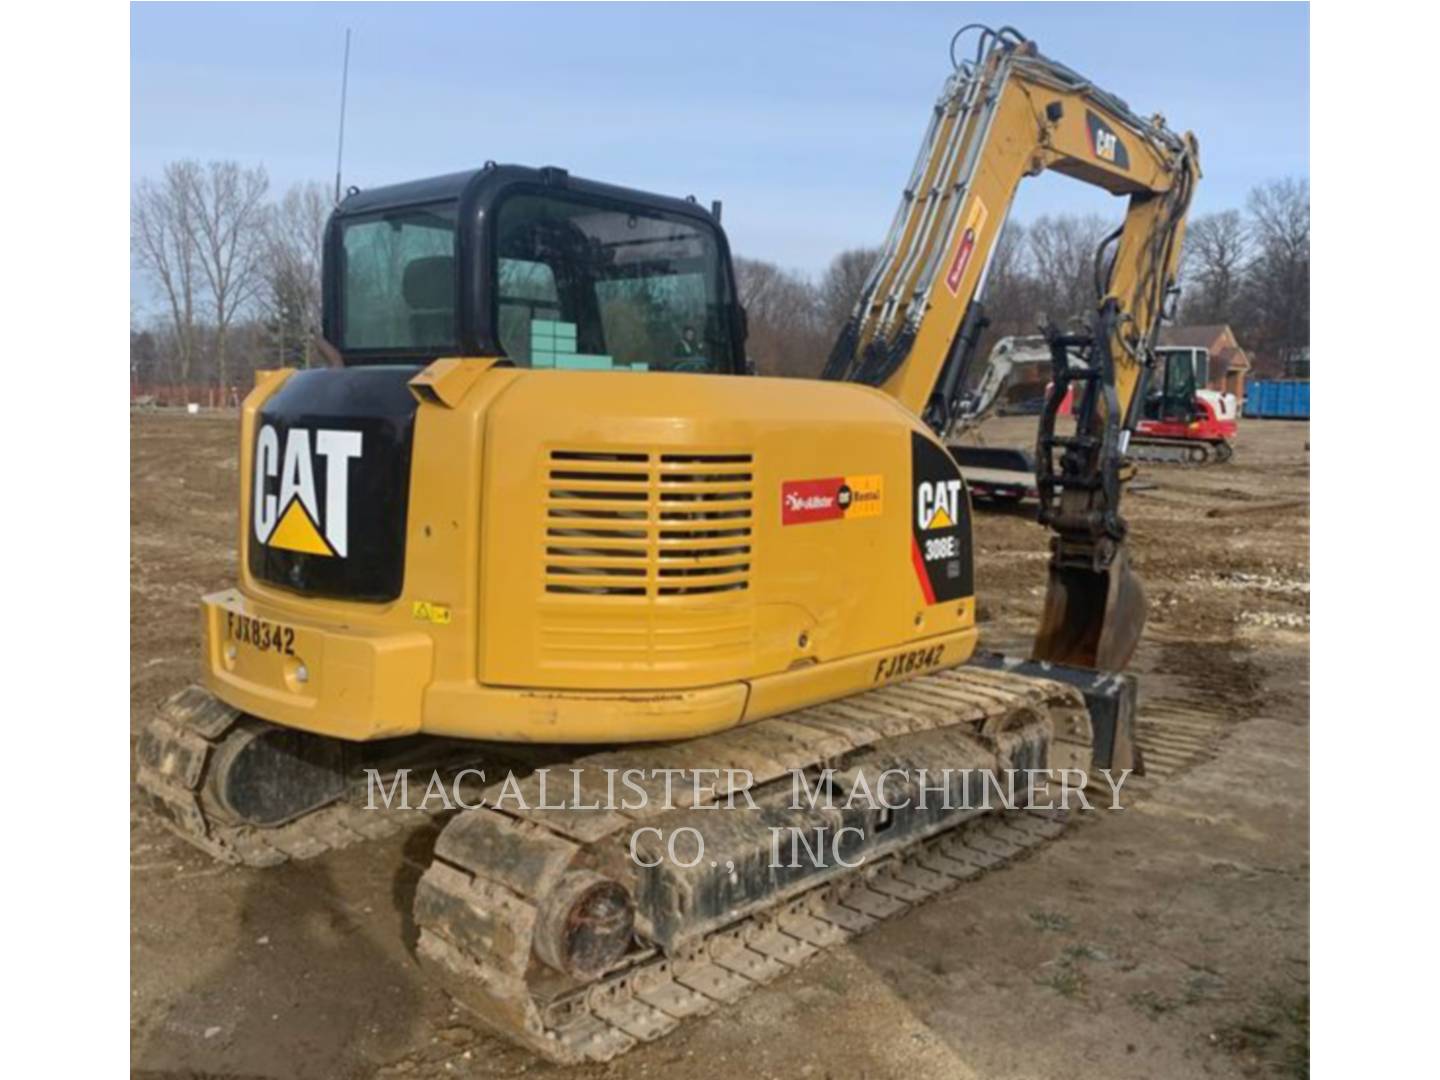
pixel 1283 399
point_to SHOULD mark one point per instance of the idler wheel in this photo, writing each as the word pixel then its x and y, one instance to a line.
pixel 584 925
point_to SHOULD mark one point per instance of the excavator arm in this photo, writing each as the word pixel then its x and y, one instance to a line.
pixel 1008 112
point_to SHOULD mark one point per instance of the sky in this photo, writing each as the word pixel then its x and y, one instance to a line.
pixel 803 118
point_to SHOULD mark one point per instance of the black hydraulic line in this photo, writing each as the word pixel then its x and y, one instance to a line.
pixel 882 357
pixel 987 34
pixel 944 401
pixel 842 353
pixel 1103 273
pixel 876 362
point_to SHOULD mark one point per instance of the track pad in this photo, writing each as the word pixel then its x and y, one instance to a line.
pixel 267 775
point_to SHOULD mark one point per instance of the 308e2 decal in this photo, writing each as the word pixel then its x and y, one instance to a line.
pixel 939 523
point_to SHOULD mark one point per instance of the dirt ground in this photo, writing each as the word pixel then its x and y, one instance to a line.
pixel 1167 940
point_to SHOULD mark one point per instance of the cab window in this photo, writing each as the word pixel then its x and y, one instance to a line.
pixel 586 285
pixel 399 280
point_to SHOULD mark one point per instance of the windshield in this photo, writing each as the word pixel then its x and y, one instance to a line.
pixel 583 285
pixel 1180 376
pixel 399 285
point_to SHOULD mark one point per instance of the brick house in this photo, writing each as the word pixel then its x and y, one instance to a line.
pixel 1229 365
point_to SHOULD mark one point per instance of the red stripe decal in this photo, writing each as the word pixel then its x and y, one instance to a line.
pixel 920 573
pixel 962 260
pixel 811 500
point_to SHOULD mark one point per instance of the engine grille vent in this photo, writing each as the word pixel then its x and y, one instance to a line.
pixel 648 524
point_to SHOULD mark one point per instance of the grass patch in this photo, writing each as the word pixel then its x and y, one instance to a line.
pixel 1068 981
pixel 1154 1005
pixel 1050 920
pixel 1276 1036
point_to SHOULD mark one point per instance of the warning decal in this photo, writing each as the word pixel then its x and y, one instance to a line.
pixel 969 237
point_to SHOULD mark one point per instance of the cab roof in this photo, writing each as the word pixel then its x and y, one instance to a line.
pixel 479 184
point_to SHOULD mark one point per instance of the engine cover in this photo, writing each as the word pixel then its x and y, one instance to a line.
pixel 661 530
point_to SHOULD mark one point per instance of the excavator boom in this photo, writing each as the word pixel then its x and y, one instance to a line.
pixel 1008 112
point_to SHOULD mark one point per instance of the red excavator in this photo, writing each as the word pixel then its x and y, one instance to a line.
pixel 1182 421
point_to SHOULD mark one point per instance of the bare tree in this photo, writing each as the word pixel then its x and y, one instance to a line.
pixel 1280 217
pixel 841 285
pixel 1062 251
pixel 162 238
pixel 1010 290
pixel 1277 288
pixel 761 286
pixel 787 335
pixel 211 245
pixel 1217 248
pixel 1010 298
pixel 294 242
pixel 227 217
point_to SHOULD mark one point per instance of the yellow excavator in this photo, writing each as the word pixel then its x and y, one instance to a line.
pixel 544 530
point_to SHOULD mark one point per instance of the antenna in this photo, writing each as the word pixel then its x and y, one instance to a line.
pixel 344 88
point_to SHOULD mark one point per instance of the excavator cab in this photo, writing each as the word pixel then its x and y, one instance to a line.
pixel 1173 399
pixel 532 265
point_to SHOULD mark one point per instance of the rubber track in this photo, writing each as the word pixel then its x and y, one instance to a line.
pixel 475 921
pixel 1177 452
pixel 175 752
pixel 652 999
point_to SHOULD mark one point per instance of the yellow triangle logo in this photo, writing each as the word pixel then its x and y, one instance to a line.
pixel 296 531
pixel 939 520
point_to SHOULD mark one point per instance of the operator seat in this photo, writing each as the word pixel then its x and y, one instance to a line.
pixel 429 290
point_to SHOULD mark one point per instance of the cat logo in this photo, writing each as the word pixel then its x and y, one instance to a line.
pixel 1104 143
pixel 939 523
pixel 937 504
pixel 288 511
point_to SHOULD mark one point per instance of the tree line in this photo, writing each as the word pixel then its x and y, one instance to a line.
pixel 1249 268
pixel 235 272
